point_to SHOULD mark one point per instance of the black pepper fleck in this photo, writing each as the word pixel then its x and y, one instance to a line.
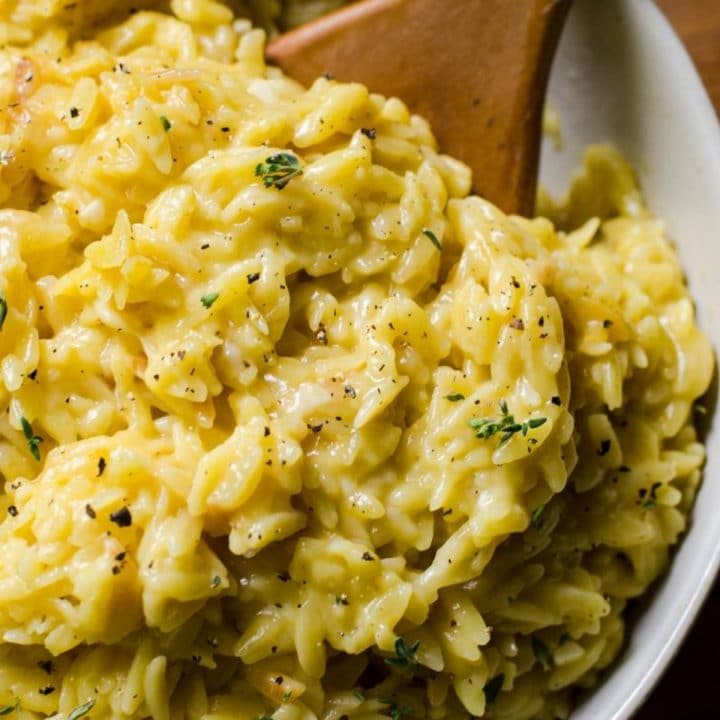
pixel 122 517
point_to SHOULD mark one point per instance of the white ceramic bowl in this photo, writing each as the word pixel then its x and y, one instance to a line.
pixel 622 75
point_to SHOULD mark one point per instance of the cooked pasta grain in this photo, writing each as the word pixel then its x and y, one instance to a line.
pixel 295 427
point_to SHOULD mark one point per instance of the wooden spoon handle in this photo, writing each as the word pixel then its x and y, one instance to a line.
pixel 476 69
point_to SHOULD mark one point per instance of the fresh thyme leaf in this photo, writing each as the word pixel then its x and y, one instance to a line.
pixel 534 423
pixel 493 687
pixel 359 695
pixel 81 710
pixel 209 299
pixel 165 123
pixel 33 441
pixel 541 652
pixel 506 425
pixel 397 712
pixel 404 654
pixel 433 238
pixel 278 170
pixel 216 582
pixel 7 709
pixel 454 397
pixel 536 518
pixel 286 696
pixel 3 309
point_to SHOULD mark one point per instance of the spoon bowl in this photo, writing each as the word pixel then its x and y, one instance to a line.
pixel 476 69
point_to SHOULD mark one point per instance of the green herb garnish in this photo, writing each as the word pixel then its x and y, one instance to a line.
pixel 209 299
pixel 33 441
pixel 454 397
pixel 216 582
pixel 397 712
pixel 7 709
pixel 536 519
pixel 359 695
pixel 3 309
pixel 81 710
pixel 165 123
pixel 541 652
pixel 433 238
pixel 486 428
pixel 286 696
pixel 493 687
pixel 278 170
pixel 404 654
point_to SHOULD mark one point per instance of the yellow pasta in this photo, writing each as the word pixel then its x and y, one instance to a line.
pixel 296 427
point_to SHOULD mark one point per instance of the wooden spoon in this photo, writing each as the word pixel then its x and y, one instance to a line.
pixel 476 69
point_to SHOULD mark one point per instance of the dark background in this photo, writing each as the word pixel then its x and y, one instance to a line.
pixel 690 690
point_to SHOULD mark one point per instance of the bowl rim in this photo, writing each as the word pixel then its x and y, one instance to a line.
pixel 625 686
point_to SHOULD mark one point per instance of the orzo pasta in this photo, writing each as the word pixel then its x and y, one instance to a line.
pixel 293 426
